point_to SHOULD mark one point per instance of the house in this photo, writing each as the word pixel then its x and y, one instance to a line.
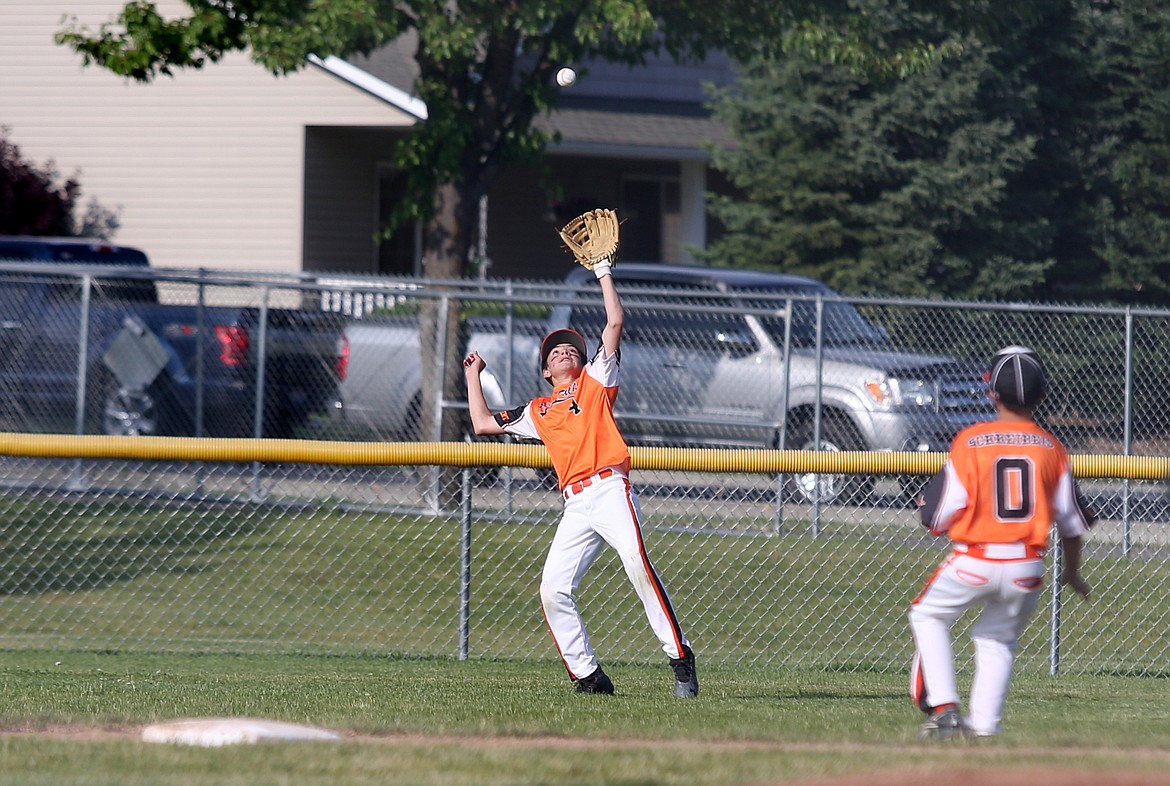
pixel 234 167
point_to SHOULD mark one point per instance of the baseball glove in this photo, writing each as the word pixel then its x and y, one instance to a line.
pixel 592 237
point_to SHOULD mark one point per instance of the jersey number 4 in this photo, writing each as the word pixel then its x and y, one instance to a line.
pixel 1015 489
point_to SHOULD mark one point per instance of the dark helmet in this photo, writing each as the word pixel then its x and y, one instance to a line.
pixel 1017 377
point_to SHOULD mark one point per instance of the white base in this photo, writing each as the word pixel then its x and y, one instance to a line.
pixel 216 732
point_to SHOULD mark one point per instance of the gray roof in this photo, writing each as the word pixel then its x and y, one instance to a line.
pixel 393 63
pixel 655 110
pixel 633 128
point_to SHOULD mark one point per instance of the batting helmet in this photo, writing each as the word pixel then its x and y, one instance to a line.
pixel 1017 377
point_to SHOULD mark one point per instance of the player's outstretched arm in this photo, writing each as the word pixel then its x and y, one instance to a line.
pixel 482 420
pixel 615 317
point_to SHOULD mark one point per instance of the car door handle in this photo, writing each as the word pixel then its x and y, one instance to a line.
pixel 674 365
pixel 10 324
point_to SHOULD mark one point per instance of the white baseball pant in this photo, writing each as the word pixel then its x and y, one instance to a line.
pixel 606 511
pixel 1008 592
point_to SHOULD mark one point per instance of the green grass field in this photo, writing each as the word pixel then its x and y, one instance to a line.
pixel 119 613
pixel 140 576
pixel 419 721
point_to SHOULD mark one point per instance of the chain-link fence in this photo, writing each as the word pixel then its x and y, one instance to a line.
pixel 412 557
pixel 120 350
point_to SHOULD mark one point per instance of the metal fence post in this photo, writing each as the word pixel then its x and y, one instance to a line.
pixel 1128 430
pixel 83 354
pixel 509 333
pixel 1054 620
pixel 200 347
pixel 440 403
pixel 261 367
pixel 465 565
pixel 783 441
pixel 77 480
pixel 201 328
pixel 818 411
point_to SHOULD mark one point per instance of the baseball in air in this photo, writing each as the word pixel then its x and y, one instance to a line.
pixel 566 77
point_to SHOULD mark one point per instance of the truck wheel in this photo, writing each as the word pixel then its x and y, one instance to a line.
pixel 836 435
pixel 117 410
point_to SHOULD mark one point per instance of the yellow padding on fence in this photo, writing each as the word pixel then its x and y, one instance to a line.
pixel 460 454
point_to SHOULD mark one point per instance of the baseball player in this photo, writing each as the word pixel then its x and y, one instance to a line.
pixel 1003 486
pixel 592 462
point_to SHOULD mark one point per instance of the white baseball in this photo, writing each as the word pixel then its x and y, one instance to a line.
pixel 566 77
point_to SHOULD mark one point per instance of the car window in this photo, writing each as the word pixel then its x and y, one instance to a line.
pixel 100 255
pixel 667 328
pixel 691 332
pixel 125 290
pixel 842 324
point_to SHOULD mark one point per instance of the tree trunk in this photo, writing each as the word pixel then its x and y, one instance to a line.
pixel 447 239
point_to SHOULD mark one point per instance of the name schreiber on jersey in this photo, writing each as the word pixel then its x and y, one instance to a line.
pixel 1008 438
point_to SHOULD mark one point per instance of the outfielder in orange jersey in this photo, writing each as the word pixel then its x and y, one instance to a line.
pixel 1003 486
pixel 592 463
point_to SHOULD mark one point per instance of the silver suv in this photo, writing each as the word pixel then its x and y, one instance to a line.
pixel 722 357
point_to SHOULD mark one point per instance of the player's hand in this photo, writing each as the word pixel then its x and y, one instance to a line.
pixel 1079 585
pixel 473 363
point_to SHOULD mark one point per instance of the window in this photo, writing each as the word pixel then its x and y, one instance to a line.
pixel 400 254
pixel 651 207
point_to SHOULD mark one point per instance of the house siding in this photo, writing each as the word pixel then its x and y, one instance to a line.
pixel 341 197
pixel 206 169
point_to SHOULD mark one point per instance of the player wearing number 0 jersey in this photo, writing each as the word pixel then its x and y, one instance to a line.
pixel 1003 486
pixel 576 423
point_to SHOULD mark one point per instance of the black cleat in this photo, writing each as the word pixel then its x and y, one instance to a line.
pixel 686 679
pixel 597 682
pixel 943 725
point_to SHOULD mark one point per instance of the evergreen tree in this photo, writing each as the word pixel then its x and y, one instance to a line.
pixel 1031 167
pixel 1133 215
pixel 896 187
pixel 953 214
pixel 1058 98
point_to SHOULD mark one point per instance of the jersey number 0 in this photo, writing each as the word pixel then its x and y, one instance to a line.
pixel 1014 489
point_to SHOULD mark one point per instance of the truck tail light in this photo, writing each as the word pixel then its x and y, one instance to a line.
pixel 233 344
pixel 342 357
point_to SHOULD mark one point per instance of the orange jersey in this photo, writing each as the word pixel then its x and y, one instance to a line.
pixel 576 422
pixel 1005 482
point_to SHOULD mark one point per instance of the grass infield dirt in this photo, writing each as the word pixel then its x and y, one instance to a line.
pixel 77 718
pixel 922 764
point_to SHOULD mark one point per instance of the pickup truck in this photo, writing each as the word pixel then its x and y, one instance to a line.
pixel 382 391
pixel 715 357
pixel 149 368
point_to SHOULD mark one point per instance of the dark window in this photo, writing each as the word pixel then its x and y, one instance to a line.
pixel 397 254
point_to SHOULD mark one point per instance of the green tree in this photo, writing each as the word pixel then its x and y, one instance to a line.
pixel 1132 146
pixel 914 186
pixel 486 70
pixel 1059 99
pixel 1033 166
pixel 486 67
